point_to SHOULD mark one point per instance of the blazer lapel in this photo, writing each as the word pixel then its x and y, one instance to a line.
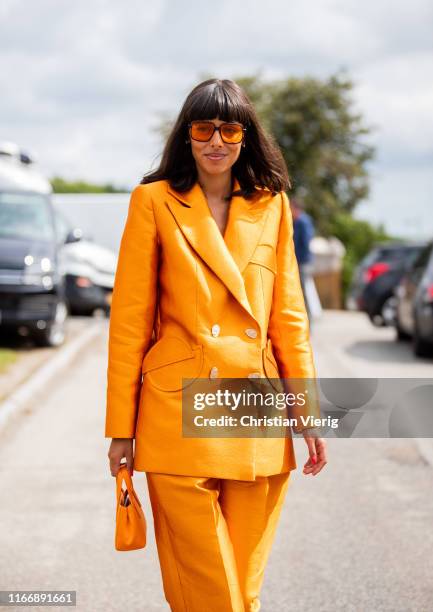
pixel 229 255
pixel 246 222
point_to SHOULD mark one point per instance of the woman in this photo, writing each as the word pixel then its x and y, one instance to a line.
pixel 207 286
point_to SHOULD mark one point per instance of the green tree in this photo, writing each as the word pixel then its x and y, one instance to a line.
pixel 60 185
pixel 322 138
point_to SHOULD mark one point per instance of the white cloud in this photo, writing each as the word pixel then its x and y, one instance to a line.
pixel 397 97
pixel 84 81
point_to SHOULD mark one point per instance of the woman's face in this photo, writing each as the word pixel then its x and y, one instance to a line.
pixel 215 156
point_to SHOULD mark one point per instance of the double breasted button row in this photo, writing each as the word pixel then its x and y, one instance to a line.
pixel 215 331
pixel 250 331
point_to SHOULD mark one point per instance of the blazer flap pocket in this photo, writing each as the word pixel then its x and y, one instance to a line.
pixel 170 361
pixel 166 351
pixel 265 255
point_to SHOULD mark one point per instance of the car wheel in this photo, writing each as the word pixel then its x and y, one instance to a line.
pixel 401 334
pixel 421 348
pixel 389 310
pixel 55 332
pixel 377 320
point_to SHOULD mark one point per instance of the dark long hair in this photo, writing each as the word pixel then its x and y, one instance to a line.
pixel 260 163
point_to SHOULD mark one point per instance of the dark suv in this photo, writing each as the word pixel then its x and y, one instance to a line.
pixel 377 275
pixel 31 284
pixel 414 311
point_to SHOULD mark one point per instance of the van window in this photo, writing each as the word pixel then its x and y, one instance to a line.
pixel 25 215
pixel 63 226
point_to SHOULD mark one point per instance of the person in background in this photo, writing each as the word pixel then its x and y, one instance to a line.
pixel 303 232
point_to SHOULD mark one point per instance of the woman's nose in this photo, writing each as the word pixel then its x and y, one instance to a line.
pixel 216 139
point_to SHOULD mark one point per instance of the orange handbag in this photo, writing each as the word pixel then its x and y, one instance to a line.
pixel 130 521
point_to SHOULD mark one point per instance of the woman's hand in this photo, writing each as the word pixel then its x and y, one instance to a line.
pixel 119 448
pixel 317 450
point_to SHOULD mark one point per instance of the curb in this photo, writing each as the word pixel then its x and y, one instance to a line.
pixel 17 400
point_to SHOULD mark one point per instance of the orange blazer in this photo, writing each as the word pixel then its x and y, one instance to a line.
pixel 191 303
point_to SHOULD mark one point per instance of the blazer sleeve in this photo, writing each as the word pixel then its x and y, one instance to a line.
pixel 288 328
pixel 132 314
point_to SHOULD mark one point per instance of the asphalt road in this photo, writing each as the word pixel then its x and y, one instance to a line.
pixel 357 537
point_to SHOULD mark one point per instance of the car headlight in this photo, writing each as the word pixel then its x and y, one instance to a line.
pixel 38 271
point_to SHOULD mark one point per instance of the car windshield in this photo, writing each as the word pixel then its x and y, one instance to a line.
pixel 413 254
pixel 25 215
pixel 391 255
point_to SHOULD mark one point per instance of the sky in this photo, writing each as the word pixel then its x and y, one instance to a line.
pixel 85 83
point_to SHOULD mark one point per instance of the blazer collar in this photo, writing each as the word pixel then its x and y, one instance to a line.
pixel 227 256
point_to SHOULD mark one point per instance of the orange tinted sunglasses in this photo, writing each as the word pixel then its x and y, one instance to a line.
pixel 231 133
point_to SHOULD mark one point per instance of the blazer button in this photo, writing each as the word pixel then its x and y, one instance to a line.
pixel 215 330
pixel 213 372
pixel 254 375
pixel 251 333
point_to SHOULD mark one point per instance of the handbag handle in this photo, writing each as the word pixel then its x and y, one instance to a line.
pixel 124 475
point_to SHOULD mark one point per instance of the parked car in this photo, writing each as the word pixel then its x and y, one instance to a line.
pixel 89 271
pixel 32 285
pixel 414 308
pixel 377 275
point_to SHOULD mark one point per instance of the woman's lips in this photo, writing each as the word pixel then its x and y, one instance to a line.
pixel 215 157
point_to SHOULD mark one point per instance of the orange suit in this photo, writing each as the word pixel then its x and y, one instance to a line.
pixel 191 303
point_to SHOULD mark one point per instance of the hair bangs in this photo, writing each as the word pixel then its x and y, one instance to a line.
pixel 215 101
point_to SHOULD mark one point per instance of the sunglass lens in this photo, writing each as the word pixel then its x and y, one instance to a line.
pixel 231 133
pixel 201 131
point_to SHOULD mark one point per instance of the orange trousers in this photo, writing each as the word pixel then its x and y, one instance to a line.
pixel 214 537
